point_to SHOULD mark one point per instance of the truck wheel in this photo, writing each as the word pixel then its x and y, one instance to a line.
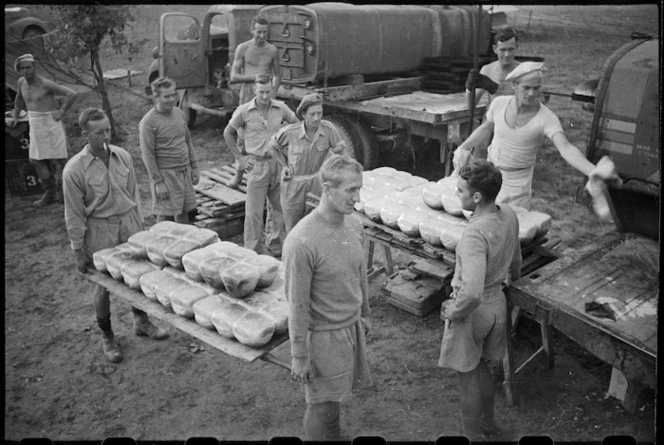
pixel 358 137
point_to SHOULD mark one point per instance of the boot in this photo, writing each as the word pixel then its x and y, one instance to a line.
pixel 143 327
pixel 471 428
pixel 110 347
pixel 49 193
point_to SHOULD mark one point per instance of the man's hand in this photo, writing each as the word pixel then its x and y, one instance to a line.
pixel 12 123
pixel 161 190
pixel 81 260
pixel 460 158
pixel 301 370
pixel 245 163
pixel 194 176
pixel 286 174
pixel 444 307
pixel 57 114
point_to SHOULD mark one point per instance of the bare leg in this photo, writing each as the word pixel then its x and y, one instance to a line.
pixel 102 304
pixel 47 181
pixel 322 421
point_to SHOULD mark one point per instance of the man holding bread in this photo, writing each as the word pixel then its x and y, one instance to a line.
pixel 327 290
pixel 101 211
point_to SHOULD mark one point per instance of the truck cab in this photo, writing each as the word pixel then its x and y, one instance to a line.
pixel 198 57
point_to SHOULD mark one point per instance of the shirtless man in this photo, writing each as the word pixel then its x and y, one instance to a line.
pixel 48 140
pixel 254 57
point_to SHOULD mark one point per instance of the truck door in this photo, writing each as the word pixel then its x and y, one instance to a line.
pixel 182 50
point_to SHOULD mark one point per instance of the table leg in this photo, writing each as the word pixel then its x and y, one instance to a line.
pixel 508 363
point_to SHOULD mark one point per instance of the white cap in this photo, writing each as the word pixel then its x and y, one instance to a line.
pixel 525 68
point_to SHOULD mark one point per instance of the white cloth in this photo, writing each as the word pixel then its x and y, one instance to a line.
pixel 47 136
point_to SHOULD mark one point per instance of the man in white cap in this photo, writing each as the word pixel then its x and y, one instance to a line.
pixel 48 141
pixel 520 124
pixel 301 148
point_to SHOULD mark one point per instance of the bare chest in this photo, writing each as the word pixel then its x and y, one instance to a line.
pixel 258 61
pixel 38 98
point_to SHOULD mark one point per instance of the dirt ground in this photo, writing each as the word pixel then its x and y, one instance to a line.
pixel 58 384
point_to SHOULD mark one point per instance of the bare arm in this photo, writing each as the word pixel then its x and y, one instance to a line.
pixel 19 103
pixel 571 154
pixel 59 90
pixel 237 69
pixel 480 135
pixel 276 73
pixel 479 92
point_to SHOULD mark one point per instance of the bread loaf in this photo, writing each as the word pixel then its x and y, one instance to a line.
pixel 140 241
pixel 277 288
pixel 212 270
pixel 240 279
pixel 177 273
pixel 267 266
pixel 225 316
pixel 132 270
pixel 202 236
pixel 257 300
pixel 149 280
pixel 240 253
pixel 183 298
pixel 191 261
pixel 450 235
pixel 452 204
pixel 449 182
pixel 163 288
pixel 163 227
pixel 116 260
pixel 431 195
pixel 174 252
pixel 373 207
pixel 99 258
pixel 254 329
pixel 156 248
pixel 429 211
pixel 409 222
pixel 391 212
pixel 456 220
pixel 278 312
pixel 430 231
pixel 205 307
pixel 383 170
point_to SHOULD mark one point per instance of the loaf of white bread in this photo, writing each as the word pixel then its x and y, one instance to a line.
pixel 132 270
pixel 254 329
pixel 205 307
pixel 240 279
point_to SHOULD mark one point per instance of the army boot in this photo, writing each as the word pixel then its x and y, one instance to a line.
pixel 49 193
pixel 143 327
pixel 110 347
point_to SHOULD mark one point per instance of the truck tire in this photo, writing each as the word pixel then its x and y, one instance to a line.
pixel 361 143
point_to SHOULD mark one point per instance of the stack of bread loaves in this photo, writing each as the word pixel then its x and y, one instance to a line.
pixel 242 289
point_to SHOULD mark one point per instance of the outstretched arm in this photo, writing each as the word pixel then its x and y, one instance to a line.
pixel 571 154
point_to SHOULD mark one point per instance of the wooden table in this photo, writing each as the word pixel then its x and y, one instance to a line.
pixel 557 295
pixel 226 345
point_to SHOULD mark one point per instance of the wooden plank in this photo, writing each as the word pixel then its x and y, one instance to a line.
pixel 218 191
pixel 420 106
pixel 226 345
pixel 351 92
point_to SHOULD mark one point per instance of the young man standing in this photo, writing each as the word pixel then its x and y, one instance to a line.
pixel 301 149
pixel 260 119
pixel 487 255
pixel 101 210
pixel 326 285
pixel 168 154
pixel 253 58
pixel 48 141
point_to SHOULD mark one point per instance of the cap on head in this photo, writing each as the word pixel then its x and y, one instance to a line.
pixel 307 101
pixel 24 58
pixel 526 69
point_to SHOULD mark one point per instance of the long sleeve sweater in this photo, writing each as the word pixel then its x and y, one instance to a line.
pixel 326 279
pixel 165 142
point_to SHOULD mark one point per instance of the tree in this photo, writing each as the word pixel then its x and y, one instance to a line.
pixel 80 31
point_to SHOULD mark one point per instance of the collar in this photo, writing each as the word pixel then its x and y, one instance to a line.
pixel 87 158
pixel 252 104
pixel 303 131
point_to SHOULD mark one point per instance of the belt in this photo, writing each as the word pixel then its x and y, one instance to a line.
pixel 513 169
pixel 113 218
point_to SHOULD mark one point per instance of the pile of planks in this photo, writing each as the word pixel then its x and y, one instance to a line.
pixel 445 75
pixel 220 208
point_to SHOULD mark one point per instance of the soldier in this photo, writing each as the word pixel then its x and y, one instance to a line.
pixel 260 118
pixel 101 210
pixel 48 141
pixel 326 285
pixel 301 149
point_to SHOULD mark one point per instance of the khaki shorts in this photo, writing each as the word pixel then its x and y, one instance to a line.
pixel 181 194
pixel 109 232
pixel 482 334
pixel 338 362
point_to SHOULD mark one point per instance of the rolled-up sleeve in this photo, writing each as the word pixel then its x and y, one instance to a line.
pixel 279 141
pixel 337 145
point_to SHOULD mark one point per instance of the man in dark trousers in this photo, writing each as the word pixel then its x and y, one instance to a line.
pixel 487 255
pixel 326 285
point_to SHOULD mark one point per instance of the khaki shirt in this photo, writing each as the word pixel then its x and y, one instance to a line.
pixel 93 191
pixel 257 129
pixel 306 156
